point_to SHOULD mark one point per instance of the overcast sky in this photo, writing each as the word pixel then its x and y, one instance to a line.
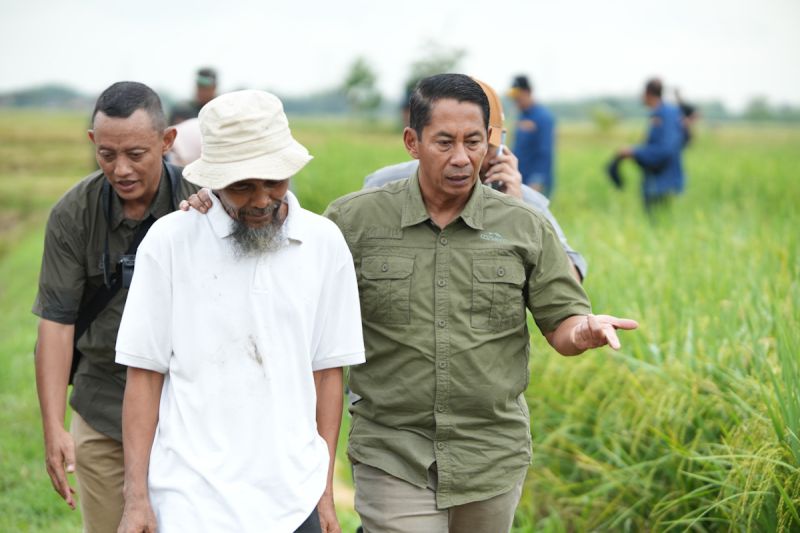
pixel 731 50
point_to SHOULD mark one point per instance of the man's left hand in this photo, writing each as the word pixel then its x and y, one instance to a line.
pixel 504 168
pixel 327 515
pixel 199 202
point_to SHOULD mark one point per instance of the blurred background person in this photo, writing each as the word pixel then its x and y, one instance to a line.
pixel 689 116
pixel 534 138
pixel 205 91
pixel 659 156
pixel 187 146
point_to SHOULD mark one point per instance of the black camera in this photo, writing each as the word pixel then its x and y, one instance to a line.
pixel 124 271
pixel 126 264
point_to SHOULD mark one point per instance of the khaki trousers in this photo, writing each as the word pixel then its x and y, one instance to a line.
pixel 99 469
pixel 388 504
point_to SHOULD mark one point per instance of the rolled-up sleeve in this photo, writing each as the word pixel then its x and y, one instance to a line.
pixel 553 293
pixel 63 275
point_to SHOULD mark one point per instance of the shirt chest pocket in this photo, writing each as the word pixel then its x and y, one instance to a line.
pixel 497 299
pixel 385 288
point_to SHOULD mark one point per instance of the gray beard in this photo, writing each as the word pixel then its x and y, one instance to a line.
pixel 253 242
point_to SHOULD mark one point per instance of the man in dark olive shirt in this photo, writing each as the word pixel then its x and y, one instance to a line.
pixel 88 232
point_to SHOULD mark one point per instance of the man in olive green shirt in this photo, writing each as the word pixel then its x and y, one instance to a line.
pixel 131 136
pixel 446 267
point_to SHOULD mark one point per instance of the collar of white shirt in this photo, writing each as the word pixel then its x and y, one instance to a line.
pixel 221 220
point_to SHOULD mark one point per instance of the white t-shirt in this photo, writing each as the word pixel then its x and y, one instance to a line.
pixel 237 448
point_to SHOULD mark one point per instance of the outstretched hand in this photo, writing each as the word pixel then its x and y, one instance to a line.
pixel 200 201
pixel 598 330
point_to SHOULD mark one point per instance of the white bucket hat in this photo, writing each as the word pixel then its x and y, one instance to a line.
pixel 245 135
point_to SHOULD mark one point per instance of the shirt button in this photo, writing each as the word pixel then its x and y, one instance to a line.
pixel 441 323
pixel 441 283
pixel 440 408
pixel 442 364
pixel 501 271
pixel 443 241
pixel 384 267
pixel 440 445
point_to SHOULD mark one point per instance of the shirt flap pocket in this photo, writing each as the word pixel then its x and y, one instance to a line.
pixel 494 271
pixel 386 267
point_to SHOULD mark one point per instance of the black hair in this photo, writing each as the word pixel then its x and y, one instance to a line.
pixel 123 98
pixel 456 86
pixel 654 87
pixel 208 75
pixel 522 83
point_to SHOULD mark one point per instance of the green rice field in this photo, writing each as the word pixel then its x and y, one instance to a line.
pixel 694 425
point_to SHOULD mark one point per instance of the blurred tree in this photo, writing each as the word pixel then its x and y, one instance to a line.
pixel 787 113
pixel 360 87
pixel 435 59
pixel 758 109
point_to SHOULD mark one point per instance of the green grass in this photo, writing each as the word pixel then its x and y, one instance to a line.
pixel 693 426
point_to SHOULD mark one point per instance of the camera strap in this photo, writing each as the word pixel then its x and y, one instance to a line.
pixel 174 174
pixel 112 283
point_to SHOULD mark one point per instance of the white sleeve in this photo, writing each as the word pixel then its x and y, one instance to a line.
pixel 338 339
pixel 145 333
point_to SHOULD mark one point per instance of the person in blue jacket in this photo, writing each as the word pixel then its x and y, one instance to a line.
pixel 659 156
pixel 534 138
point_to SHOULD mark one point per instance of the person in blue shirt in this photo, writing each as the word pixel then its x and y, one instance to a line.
pixel 689 116
pixel 659 156
pixel 534 139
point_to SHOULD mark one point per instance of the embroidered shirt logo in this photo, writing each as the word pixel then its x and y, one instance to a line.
pixel 491 236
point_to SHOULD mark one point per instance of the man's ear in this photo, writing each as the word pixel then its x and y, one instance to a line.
pixel 91 135
pixel 169 138
pixel 411 141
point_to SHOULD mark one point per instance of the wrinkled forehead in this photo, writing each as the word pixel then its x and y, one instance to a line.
pixel 124 133
pixel 450 114
pixel 139 120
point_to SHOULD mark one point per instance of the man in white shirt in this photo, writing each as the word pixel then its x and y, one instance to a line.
pixel 235 332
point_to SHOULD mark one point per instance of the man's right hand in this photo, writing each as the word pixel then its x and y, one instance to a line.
pixel 199 202
pixel 53 361
pixel 60 461
pixel 137 517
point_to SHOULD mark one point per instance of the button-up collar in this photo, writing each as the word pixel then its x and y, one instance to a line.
pixel 415 212
pixel 160 206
